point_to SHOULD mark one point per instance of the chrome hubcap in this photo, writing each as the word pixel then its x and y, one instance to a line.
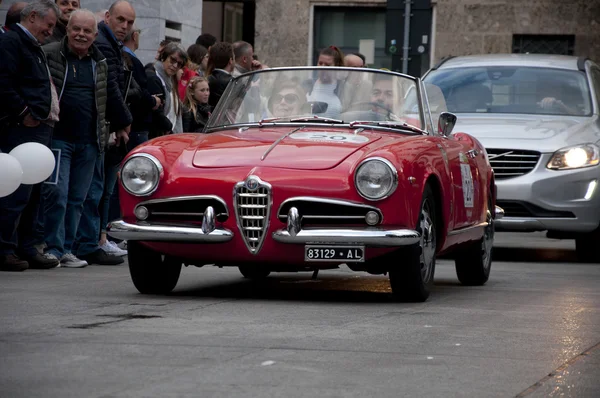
pixel 488 240
pixel 428 242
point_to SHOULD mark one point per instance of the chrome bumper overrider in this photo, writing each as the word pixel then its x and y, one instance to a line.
pixel 164 233
pixel 499 212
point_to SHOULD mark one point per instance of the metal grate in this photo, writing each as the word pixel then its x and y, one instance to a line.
pixel 520 209
pixel 510 163
pixel 252 210
pixel 544 44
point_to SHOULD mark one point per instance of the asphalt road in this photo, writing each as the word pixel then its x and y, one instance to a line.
pixel 533 330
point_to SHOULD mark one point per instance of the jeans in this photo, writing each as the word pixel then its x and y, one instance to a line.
pixel 64 200
pixel 112 163
pixel 88 232
pixel 19 211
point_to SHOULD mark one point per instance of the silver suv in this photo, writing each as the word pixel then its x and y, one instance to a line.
pixel 538 117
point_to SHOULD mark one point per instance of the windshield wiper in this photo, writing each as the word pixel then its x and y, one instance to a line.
pixel 396 125
pixel 316 118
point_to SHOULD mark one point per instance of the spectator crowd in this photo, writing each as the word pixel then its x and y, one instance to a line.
pixel 70 79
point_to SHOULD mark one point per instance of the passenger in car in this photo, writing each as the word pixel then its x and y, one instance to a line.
pixel 288 100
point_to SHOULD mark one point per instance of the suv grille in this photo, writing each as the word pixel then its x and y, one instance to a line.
pixel 252 200
pixel 510 163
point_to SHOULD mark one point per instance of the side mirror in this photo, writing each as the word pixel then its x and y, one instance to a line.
pixel 446 123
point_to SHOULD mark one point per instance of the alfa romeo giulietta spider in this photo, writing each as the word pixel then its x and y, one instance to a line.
pixel 307 169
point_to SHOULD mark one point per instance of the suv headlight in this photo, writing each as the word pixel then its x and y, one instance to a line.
pixel 575 157
pixel 375 178
pixel 140 174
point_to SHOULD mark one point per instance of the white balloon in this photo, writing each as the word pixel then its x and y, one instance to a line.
pixel 11 174
pixel 37 161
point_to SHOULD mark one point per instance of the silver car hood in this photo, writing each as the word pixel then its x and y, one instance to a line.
pixel 529 132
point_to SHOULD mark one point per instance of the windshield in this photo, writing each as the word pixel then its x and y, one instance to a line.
pixel 319 95
pixel 510 89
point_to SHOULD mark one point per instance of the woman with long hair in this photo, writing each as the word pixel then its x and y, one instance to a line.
pixel 196 109
pixel 325 88
pixel 164 77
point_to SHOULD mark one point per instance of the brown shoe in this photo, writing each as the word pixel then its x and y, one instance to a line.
pixel 43 261
pixel 13 263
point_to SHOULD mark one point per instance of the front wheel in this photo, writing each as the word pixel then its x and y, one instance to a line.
pixel 151 272
pixel 474 263
pixel 587 248
pixel 411 278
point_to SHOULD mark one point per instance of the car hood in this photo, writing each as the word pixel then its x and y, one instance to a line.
pixel 533 132
pixel 306 148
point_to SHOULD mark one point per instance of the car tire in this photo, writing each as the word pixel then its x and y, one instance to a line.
pixel 411 278
pixel 587 247
pixel 151 272
pixel 254 272
pixel 474 263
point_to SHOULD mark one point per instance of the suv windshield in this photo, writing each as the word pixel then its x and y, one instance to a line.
pixel 509 89
pixel 318 95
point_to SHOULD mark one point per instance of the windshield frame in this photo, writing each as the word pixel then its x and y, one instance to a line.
pixel 584 73
pixel 416 81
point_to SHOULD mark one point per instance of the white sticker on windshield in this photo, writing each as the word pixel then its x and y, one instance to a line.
pixel 331 137
pixel 467 184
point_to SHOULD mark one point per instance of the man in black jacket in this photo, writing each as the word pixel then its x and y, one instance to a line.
pixel 28 109
pixel 118 21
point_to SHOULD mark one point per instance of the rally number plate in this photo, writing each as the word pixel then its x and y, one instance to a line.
pixel 345 254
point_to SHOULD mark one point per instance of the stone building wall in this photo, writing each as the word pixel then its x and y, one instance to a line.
pixel 150 17
pixel 466 27
pixel 283 27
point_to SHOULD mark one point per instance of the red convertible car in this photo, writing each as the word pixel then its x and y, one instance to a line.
pixel 308 168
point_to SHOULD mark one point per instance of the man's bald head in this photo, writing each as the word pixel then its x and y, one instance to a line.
pixel 353 61
pixel 13 15
pixel 120 18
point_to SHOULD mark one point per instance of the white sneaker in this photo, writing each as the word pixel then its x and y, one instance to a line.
pixel 112 248
pixel 70 261
pixel 122 245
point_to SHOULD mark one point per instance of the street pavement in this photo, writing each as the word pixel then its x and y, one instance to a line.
pixel 533 330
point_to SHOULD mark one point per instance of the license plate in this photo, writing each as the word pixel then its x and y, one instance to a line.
pixel 344 254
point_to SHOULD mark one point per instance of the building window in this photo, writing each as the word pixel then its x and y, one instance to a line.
pixel 544 44
pixel 345 27
pixel 233 18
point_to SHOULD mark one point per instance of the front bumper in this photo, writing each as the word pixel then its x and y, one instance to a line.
pixel 167 233
pixel 374 237
pixel 565 200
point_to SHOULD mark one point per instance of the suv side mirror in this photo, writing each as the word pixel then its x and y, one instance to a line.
pixel 446 123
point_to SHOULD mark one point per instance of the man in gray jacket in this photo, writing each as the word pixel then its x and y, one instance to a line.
pixel 80 74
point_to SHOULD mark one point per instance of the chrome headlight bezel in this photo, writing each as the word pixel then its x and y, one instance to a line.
pixel 393 175
pixel 152 161
pixel 559 157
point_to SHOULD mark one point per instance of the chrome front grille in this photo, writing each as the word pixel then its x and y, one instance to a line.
pixel 324 211
pixel 252 200
pixel 510 163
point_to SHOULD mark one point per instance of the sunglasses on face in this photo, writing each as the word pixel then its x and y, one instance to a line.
pixel 175 61
pixel 289 99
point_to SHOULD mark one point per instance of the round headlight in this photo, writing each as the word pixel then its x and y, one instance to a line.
pixel 376 178
pixel 140 174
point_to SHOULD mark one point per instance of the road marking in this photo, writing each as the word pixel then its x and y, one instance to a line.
pixel 268 363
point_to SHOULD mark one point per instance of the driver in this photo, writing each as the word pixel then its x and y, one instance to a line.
pixel 288 99
pixel 382 94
